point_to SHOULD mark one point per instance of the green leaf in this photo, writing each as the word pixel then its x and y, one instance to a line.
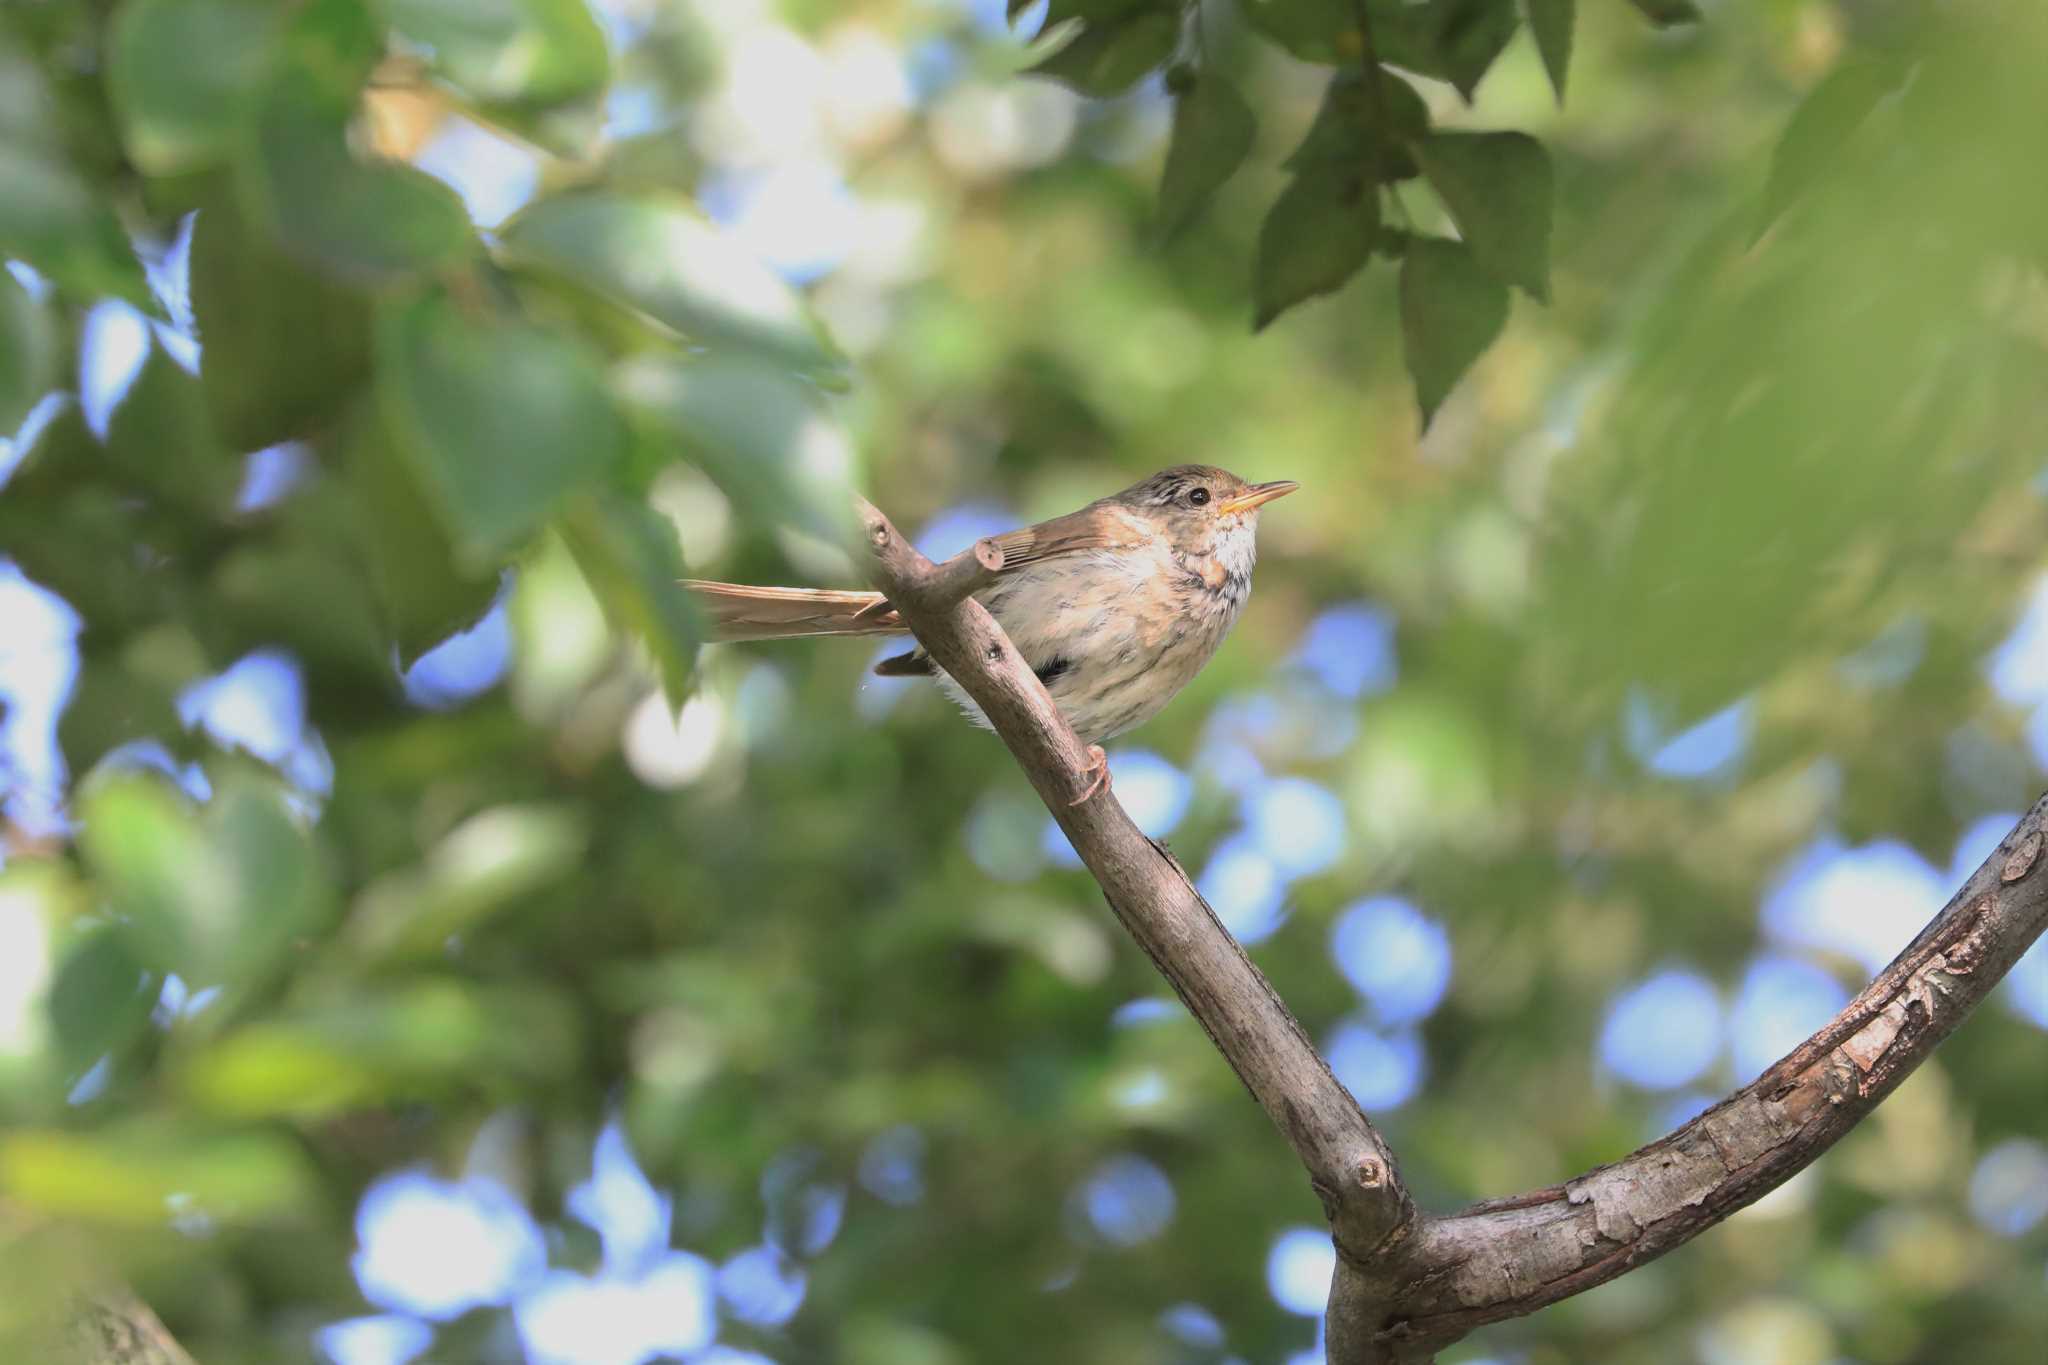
pixel 1451 310
pixel 162 438
pixel 1498 188
pixel 630 557
pixel 1454 40
pixel 369 222
pixel 284 348
pixel 1099 11
pixel 50 218
pixel 136 1173
pixel 1664 13
pixel 1316 236
pixel 522 52
pixel 109 706
pixel 1821 126
pixel 29 359
pixel 101 998
pixel 219 898
pixel 261 590
pixel 651 252
pixel 331 47
pixel 1552 21
pixel 486 864
pixel 1313 30
pixel 501 419
pixel 184 75
pixel 1213 129
pixel 1106 59
pixel 1347 135
pixel 754 429
pixel 423 1038
pixel 423 589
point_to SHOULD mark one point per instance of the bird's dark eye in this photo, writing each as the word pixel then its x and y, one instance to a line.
pixel 1199 496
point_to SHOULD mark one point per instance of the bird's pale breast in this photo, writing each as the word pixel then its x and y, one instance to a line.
pixel 1115 634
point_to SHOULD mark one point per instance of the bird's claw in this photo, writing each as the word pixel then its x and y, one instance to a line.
pixel 1098 771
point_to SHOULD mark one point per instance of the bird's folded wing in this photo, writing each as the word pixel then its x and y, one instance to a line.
pixel 1091 528
pixel 742 612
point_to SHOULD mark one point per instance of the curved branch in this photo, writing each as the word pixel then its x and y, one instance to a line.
pixel 1407 1284
pixel 1350 1167
pixel 1501 1259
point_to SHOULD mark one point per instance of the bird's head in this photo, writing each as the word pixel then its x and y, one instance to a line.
pixel 1203 510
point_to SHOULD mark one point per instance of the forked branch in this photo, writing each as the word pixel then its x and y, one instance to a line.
pixel 1349 1165
pixel 1407 1283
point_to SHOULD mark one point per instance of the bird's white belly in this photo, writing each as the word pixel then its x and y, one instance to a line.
pixel 1126 649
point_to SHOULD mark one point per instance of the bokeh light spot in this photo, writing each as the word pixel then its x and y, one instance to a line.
pixel 1664 1032
pixel 1298 1270
pixel 1398 958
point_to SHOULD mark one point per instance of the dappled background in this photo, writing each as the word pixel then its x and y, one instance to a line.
pixel 403 958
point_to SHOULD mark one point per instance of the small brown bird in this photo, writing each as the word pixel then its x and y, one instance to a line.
pixel 1116 607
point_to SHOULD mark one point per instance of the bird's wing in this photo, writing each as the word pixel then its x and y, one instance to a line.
pixel 1091 528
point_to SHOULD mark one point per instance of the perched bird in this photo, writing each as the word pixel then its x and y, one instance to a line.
pixel 1116 607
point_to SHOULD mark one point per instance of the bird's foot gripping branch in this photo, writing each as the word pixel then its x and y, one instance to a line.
pixel 1408 1283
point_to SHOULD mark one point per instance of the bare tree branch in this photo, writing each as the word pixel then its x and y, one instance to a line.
pixel 1349 1165
pixel 1407 1283
pixel 1507 1257
pixel 116 1328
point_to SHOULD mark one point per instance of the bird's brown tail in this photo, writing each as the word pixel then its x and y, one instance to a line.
pixel 741 612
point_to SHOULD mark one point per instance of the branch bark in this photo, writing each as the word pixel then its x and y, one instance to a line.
pixel 116 1328
pixel 1408 1284
pixel 1507 1257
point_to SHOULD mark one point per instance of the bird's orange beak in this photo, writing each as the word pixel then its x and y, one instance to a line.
pixel 1259 494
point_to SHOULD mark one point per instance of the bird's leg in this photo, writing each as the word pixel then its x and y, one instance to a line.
pixel 1098 764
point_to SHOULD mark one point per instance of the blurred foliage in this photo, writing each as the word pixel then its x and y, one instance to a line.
pixel 1774 441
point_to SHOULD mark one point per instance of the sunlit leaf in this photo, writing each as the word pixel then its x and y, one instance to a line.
pixel 1821 126
pixel 508 51
pixel 143 1171
pixel 629 556
pixel 1552 21
pixel 501 419
pixel 652 252
pixel 28 352
pixel 1318 233
pixel 762 435
pixel 425 1037
pixel 1108 57
pixel 218 897
pixel 1498 187
pixel 184 75
pixel 484 865
pixel 285 348
pixel 1451 310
